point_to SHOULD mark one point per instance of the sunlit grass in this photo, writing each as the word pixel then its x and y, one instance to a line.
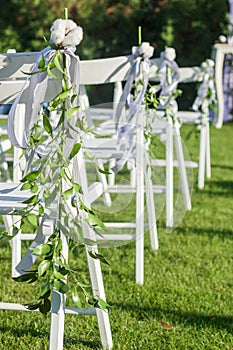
pixel 186 301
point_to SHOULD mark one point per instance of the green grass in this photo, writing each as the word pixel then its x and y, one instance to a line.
pixel 188 282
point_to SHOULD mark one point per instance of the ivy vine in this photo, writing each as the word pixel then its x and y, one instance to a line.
pixel 54 191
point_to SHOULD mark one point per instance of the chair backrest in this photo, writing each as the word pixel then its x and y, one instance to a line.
pixel 13 67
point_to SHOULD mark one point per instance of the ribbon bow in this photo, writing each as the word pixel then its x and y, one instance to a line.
pixel 203 99
pixel 140 70
pixel 169 78
pixel 36 85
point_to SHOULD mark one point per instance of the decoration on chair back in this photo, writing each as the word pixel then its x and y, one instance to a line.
pixel 138 79
pixel 52 139
pixel 66 33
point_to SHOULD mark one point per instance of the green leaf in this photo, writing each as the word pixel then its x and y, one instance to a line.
pixel 98 256
pixel 45 306
pixel 34 188
pixel 49 67
pixel 101 304
pixel 83 205
pixel 41 63
pixel 7 236
pixel 63 173
pixel 43 267
pixel 68 193
pixel 45 290
pixel 33 175
pixel 64 94
pixel 58 275
pixel 63 271
pixel 71 112
pixel 32 218
pixel 42 249
pixel 25 186
pixel 89 242
pixel 29 277
pixel 50 196
pixel 76 298
pixel 47 125
pixel 75 150
pixel 93 220
pixel 61 286
pixel 57 63
pixel 32 199
pixel 102 171
pixel 41 210
pixel 73 97
pixel 15 231
pixel 76 187
pixel 33 305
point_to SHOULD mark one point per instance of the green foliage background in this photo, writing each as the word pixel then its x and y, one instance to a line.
pixel 110 27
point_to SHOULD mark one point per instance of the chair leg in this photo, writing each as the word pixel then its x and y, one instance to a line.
pixel 208 157
pixel 169 176
pixel 103 180
pixel 182 168
pixel 151 208
pixel 98 291
pixel 140 202
pixel 57 321
pixel 111 177
pixel 202 157
pixel 15 243
pixel 58 310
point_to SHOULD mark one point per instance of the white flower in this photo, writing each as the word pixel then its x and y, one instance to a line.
pixel 65 32
pixel 169 54
pixel 222 39
pixel 210 62
pixel 144 50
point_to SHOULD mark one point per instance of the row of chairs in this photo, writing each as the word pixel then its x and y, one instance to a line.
pixel 104 71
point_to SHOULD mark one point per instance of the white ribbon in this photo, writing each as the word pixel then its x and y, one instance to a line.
pixel 169 79
pixel 36 85
pixel 203 99
pixel 126 132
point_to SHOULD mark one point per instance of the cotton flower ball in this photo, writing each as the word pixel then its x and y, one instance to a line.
pixel 169 54
pixel 222 39
pixel 65 33
pixel 144 50
pixel 210 62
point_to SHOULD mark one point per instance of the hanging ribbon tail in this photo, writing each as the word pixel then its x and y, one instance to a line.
pixel 35 86
pixel 73 73
pixel 126 132
pixel 125 144
pixel 169 72
pixel 127 89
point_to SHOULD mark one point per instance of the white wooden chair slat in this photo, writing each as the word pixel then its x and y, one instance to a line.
pixel 11 198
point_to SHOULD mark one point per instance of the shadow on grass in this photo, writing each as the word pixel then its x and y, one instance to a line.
pixel 24 331
pixel 222 166
pixel 225 185
pixel 21 332
pixel 223 233
pixel 178 317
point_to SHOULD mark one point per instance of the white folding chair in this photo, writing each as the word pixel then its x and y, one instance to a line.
pixel 116 70
pixel 199 114
pixel 108 117
pixel 11 198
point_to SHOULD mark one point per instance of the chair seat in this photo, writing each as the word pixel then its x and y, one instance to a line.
pixel 189 117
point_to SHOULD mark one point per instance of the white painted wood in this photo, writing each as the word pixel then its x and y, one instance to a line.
pixel 218 54
pixel 11 198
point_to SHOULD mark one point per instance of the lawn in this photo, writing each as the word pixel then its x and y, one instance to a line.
pixel 186 301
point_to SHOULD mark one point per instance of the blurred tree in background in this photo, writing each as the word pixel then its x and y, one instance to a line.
pixel 110 27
